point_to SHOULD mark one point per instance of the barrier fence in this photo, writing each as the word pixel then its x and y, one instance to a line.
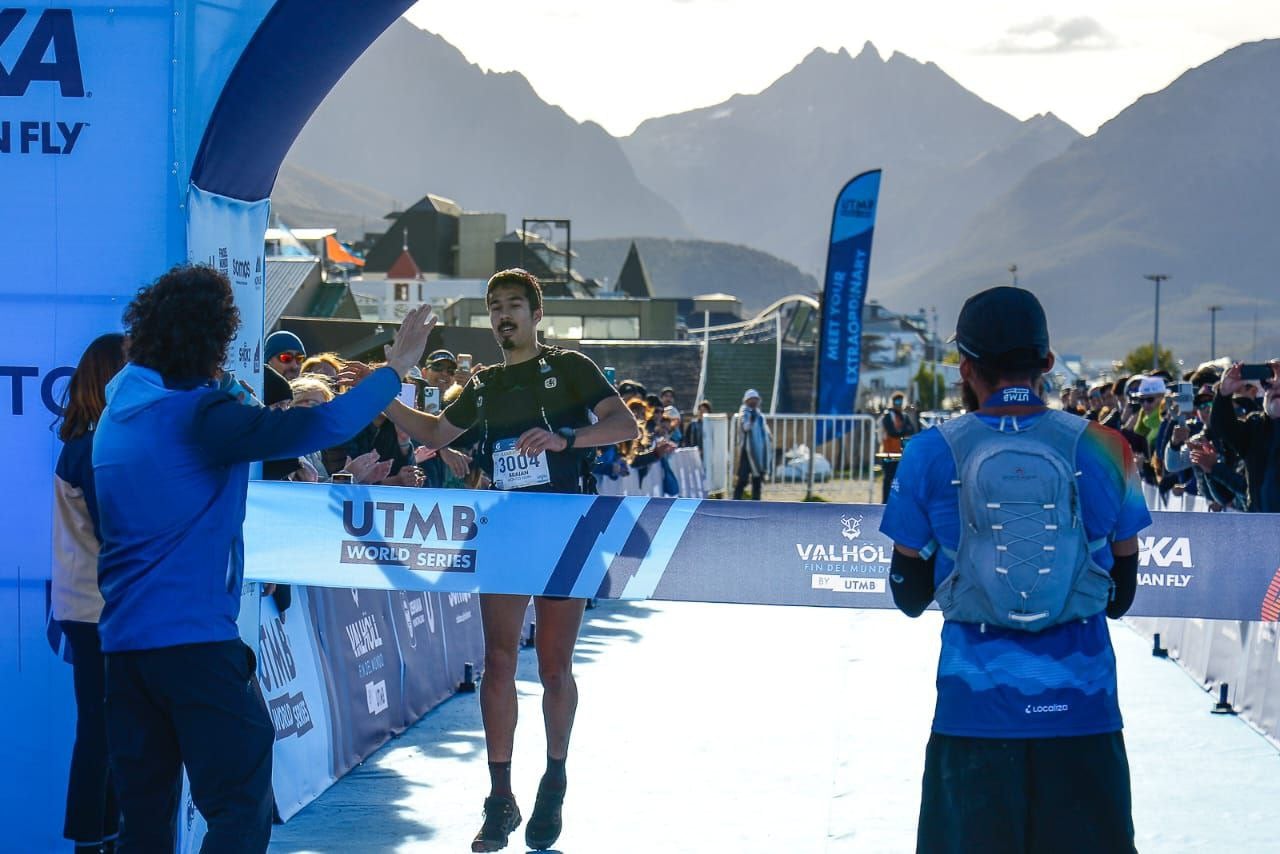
pixel 1240 659
pixel 685 465
pixel 843 467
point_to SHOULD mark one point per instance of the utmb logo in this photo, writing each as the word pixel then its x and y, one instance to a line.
pixel 50 54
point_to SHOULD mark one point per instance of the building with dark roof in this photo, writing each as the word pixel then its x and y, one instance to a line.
pixel 428 229
pixel 634 278
pixel 545 260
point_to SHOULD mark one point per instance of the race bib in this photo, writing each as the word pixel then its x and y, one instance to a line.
pixel 514 470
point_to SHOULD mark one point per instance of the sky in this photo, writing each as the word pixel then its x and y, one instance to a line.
pixel 618 62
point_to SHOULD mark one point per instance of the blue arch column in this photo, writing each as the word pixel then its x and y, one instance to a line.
pixel 114 117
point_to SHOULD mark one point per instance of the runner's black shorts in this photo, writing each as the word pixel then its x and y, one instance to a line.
pixel 1041 795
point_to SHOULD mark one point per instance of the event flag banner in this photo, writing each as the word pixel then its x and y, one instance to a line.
pixel 844 289
pixel 227 235
pixel 684 549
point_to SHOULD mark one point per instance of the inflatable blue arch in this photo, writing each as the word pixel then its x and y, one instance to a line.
pixel 134 135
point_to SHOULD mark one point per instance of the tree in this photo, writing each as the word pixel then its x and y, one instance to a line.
pixel 1138 361
pixel 930 388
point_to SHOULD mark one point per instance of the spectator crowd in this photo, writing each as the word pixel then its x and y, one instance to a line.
pixel 1211 432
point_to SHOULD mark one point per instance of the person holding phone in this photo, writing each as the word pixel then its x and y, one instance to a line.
pixel 179 681
pixel 1255 437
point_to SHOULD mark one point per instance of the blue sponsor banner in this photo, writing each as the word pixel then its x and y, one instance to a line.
pixel 1213 566
pixel 291 676
pixel 357 641
pixel 420 636
pixel 844 290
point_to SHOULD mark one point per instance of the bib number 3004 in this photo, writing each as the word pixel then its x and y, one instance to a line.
pixel 514 470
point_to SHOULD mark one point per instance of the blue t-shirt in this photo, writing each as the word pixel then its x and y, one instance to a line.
pixel 1005 683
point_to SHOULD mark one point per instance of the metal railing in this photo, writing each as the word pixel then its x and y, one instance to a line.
pixel 843 469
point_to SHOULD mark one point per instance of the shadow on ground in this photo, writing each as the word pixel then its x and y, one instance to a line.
pixel 397 807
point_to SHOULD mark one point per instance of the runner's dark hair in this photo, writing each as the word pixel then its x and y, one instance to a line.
pixel 516 278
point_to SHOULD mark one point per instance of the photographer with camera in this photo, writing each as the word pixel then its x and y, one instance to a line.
pixel 1256 436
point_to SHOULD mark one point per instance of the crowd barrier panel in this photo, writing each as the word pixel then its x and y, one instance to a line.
pixel 686 465
pixel 1238 659
pixel 843 465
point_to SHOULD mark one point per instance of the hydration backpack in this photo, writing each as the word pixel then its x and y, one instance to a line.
pixel 1024 560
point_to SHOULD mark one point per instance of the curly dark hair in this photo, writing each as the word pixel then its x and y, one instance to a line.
pixel 182 324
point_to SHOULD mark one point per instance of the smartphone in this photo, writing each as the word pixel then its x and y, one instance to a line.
pixel 611 375
pixel 464 361
pixel 1184 395
pixel 430 399
pixel 409 395
pixel 1255 372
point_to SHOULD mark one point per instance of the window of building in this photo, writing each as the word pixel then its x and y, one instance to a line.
pixel 611 327
pixel 561 325
pixel 402 291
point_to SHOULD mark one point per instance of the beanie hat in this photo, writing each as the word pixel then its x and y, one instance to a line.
pixel 280 342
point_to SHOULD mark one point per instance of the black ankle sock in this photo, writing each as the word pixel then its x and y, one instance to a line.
pixel 500 778
pixel 555 772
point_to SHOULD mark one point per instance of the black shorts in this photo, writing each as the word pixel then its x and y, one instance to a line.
pixel 1026 795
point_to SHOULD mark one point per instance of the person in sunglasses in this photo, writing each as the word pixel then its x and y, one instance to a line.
pixel 285 353
pixel 440 371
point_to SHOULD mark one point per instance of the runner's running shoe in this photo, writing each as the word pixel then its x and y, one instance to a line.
pixel 544 825
pixel 501 816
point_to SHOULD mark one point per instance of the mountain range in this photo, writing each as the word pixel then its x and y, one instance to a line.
pixel 1183 183
pixel 413 116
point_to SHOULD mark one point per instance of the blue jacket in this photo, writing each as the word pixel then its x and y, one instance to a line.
pixel 171 467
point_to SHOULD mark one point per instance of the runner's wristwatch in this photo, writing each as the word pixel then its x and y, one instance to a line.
pixel 568 434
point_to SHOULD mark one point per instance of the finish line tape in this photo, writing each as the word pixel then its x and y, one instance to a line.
pixel 1220 566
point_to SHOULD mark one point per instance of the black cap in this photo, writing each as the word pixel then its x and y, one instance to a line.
pixel 442 356
pixel 999 320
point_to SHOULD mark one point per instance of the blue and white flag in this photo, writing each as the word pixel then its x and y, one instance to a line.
pixel 844 289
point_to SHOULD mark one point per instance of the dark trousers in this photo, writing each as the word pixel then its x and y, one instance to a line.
pixel 889 468
pixel 744 473
pixel 195 705
pixel 93 815
pixel 1036 795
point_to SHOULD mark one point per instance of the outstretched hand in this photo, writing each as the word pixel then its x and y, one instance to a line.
pixel 411 339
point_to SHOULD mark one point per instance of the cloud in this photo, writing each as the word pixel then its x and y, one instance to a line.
pixel 1054 35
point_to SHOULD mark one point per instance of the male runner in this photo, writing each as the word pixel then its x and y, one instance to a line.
pixel 538 404
pixel 1026 753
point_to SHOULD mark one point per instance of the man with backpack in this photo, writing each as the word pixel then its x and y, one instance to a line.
pixel 1022 523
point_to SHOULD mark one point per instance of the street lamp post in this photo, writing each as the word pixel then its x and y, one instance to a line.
pixel 1213 331
pixel 1155 342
